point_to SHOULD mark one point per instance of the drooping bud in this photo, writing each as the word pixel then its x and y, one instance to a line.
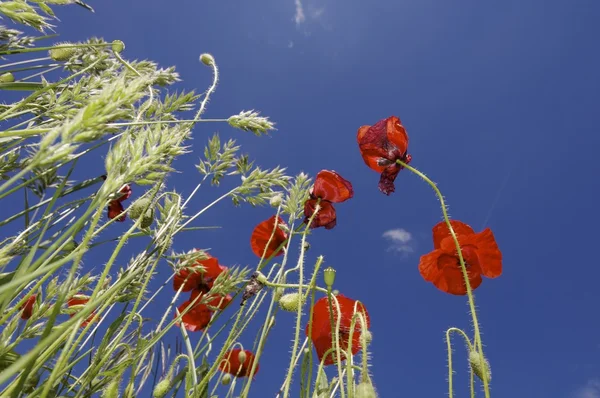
pixel 365 390
pixel 290 302
pixel 207 59
pixel 276 200
pixel 260 277
pixel 242 356
pixel 329 276
pixel 112 389
pixel 480 366
pixel 7 77
pixel 162 388
pixel 118 46
pixel 61 54
pixel 368 336
pixel 226 379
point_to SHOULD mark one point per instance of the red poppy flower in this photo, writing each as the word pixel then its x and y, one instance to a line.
pixel 114 209
pixel 321 334
pixel 28 307
pixel 81 301
pixel 197 318
pixel 442 266
pixel 196 277
pixel 261 235
pixel 231 363
pixel 125 192
pixel 380 146
pixel 330 188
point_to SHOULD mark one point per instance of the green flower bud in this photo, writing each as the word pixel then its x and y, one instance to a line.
pixel 368 336
pixel 148 218
pixel 162 388
pixel 7 78
pixel 62 54
pixel 139 207
pixel 329 276
pixel 242 356
pixel 261 278
pixel 276 200
pixel 480 366
pixel 118 46
pixel 290 302
pixel 365 390
pixel 226 379
pixel 112 389
pixel 207 59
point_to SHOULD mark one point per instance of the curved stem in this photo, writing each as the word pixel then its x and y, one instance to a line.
pixel 463 267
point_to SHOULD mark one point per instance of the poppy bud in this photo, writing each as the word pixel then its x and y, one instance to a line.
pixel 162 388
pixel 276 200
pixel 118 46
pixel 290 302
pixel 365 390
pixel 242 356
pixel 261 278
pixel 335 292
pixel 112 389
pixel 306 246
pixel 368 336
pixel 138 208
pixel 207 59
pixel 480 366
pixel 329 276
pixel 226 379
pixel 7 77
pixel 61 54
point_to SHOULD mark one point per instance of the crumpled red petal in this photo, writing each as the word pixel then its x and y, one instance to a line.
pixel 330 186
pixel 114 209
pixel 231 363
pixel 261 235
pixel 326 217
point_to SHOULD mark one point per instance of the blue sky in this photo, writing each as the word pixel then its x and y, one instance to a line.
pixel 500 103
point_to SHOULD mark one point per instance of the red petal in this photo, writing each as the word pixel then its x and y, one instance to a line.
pixel 125 193
pixel 114 209
pixel 197 318
pixel 490 256
pixel 27 307
pixel 261 235
pixel 81 301
pixel 326 216
pixel 441 231
pixel 396 134
pixel 330 186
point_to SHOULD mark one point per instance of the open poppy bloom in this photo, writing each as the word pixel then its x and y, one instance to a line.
pixel 231 363
pixel 329 188
pixel 199 279
pixel 201 276
pixel 261 235
pixel 380 146
pixel 442 266
pixel 115 207
pixel 73 301
pixel 27 308
pixel 321 335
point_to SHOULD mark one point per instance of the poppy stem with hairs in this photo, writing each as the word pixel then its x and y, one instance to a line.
pixel 462 264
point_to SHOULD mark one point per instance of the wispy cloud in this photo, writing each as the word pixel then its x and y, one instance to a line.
pixel 299 17
pixel 590 390
pixel 400 240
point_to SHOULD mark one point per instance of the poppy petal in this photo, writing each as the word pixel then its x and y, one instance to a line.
pixel 396 134
pixel 451 280
pixel 374 158
pixel 197 318
pixel 81 301
pixel 114 209
pixel 261 235
pixel 27 307
pixel 388 176
pixel 490 256
pixel 441 231
pixel 231 363
pixel 326 216
pixel 330 186
pixel 428 265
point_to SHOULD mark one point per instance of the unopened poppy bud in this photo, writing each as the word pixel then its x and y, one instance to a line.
pixel 306 246
pixel 7 77
pixel 162 388
pixel 290 302
pixel 261 278
pixel 242 356
pixel 480 366
pixel 329 276
pixel 112 389
pixel 365 390
pixel 61 54
pixel 207 59
pixel 368 336
pixel 335 292
pixel 276 200
pixel 226 379
pixel 138 208
pixel 118 46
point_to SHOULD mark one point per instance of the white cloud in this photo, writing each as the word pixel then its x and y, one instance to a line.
pixel 590 390
pixel 299 17
pixel 400 240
